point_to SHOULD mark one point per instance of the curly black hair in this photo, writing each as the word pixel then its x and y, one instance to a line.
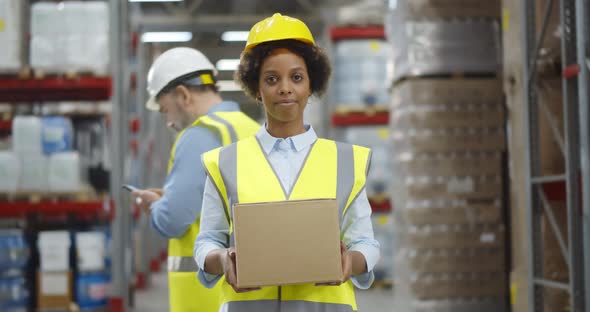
pixel 316 60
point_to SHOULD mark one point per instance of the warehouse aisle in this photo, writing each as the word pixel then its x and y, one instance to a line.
pixel 155 298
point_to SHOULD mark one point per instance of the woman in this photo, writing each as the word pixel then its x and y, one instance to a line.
pixel 281 67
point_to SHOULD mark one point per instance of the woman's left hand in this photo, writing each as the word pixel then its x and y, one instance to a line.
pixel 346 262
pixel 346 257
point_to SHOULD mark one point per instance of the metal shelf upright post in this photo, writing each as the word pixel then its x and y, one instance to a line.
pixel 583 54
pixel 574 145
pixel 119 39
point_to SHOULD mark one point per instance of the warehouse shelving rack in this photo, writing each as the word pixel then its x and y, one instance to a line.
pixel 574 184
pixel 343 117
pixel 16 89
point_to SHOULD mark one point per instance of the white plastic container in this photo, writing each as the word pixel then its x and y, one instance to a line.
pixel 90 250
pixel 360 73
pixel 64 172
pixel 33 172
pixel 10 35
pixel 9 171
pixel 26 134
pixel 54 251
pixel 70 36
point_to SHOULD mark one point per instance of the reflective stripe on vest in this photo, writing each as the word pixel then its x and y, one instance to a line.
pixel 330 170
pixel 232 132
pixel 182 264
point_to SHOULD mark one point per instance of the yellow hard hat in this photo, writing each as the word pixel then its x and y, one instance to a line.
pixel 278 27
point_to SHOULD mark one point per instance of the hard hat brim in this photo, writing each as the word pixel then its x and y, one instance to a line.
pixel 152 104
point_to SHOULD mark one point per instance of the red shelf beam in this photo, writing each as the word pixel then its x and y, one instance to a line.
pixel 49 208
pixel 357 32
pixel 380 206
pixel 6 125
pixel 360 119
pixel 55 89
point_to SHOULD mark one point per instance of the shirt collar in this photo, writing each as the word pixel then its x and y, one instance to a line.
pixel 297 142
pixel 224 106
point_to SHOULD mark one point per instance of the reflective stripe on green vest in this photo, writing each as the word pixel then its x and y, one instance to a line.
pixel 330 170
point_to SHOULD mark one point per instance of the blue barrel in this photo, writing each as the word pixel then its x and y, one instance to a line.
pixel 14 252
pixel 91 289
pixel 57 134
pixel 14 295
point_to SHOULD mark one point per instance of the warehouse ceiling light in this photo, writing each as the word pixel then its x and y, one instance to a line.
pixel 227 64
pixel 232 36
pixel 228 86
pixel 178 36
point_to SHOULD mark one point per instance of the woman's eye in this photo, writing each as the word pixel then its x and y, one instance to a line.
pixel 271 79
pixel 297 77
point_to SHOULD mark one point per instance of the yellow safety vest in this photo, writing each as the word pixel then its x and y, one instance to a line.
pixel 243 174
pixel 185 291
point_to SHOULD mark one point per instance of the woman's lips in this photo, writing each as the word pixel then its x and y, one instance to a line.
pixel 286 103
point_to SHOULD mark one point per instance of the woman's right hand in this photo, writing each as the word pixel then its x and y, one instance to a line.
pixel 229 270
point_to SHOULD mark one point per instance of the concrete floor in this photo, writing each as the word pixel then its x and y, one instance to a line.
pixel 155 298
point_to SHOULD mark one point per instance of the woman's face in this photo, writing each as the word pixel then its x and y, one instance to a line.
pixel 284 87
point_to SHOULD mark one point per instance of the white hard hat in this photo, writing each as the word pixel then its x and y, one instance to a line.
pixel 175 65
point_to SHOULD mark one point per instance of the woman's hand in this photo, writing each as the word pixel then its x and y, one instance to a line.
pixel 346 257
pixel 229 270
pixel 346 263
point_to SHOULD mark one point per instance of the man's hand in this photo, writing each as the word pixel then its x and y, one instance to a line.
pixel 145 198
pixel 229 270
pixel 158 191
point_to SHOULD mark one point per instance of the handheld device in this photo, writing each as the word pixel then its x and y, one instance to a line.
pixel 130 187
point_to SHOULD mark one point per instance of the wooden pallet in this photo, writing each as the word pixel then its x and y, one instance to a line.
pixel 453 75
pixel 372 110
pixel 27 72
pixel 84 195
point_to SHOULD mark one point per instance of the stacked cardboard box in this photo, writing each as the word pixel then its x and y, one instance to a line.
pixel 54 278
pixel 448 142
pixel 452 182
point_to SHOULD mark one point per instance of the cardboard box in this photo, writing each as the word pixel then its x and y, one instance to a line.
pixel 497 304
pixel 456 236
pixel 54 290
pixel 441 260
pixel 434 140
pixel 452 212
pixel 449 115
pixel 451 164
pixel 288 242
pixel 54 251
pixel 443 285
pixel 465 187
pixel 422 92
